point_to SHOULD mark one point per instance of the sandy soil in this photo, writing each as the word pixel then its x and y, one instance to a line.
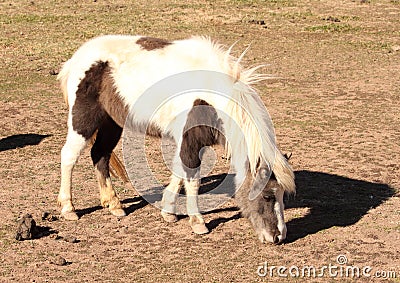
pixel 335 107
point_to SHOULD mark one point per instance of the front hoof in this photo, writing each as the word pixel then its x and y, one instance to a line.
pixel 70 215
pixel 169 217
pixel 119 212
pixel 200 228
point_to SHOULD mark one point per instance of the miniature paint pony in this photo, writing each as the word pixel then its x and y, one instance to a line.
pixel 102 84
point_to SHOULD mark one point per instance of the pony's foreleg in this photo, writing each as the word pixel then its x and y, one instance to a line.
pixel 70 152
pixel 169 198
pixel 196 221
pixel 107 138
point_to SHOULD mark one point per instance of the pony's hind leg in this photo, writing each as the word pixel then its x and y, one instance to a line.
pixel 107 138
pixel 196 221
pixel 70 152
pixel 168 201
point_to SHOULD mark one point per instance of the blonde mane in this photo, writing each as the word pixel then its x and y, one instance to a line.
pixel 248 111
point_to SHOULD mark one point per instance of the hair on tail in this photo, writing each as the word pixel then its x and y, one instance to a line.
pixel 116 166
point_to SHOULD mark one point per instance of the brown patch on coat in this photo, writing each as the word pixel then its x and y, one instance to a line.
pixel 87 113
pixel 96 100
pixel 110 100
pixel 202 128
pixel 152 43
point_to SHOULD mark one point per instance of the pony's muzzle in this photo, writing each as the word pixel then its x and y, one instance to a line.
pixel 273 238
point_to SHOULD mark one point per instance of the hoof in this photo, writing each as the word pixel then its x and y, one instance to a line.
pixel 169 217
pixel 119 212
pixel 70 215
pixel 200 228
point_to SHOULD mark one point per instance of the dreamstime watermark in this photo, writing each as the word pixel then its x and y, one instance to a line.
pixel 340 269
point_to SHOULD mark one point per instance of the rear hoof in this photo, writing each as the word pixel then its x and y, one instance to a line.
pixel 169 217
pixel 119 212
pixel 200 229
pixel 70 215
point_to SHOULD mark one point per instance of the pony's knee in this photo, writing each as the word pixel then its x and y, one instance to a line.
pixel 170 195
pixel 72 148
pixel 192 186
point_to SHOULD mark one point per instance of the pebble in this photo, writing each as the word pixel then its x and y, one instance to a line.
pixel 26 228
pixel 70 239
pixel 395 48
pixel 49 217
pixel 58 260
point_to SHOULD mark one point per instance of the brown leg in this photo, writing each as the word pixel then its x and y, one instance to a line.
pixel 107 138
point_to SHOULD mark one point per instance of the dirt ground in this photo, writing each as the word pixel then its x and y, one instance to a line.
pixel 335 106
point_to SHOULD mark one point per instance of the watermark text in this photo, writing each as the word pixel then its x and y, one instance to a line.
pixel 340 269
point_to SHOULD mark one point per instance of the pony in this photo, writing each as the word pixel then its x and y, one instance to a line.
pixel 103 85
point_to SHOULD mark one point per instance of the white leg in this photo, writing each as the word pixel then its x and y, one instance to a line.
pixel 196 221
pixel 69 156
pixel 169 198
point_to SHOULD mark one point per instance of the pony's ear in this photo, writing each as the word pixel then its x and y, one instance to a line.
pixel 262 177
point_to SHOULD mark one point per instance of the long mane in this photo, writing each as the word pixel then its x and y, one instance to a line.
pixel 247 110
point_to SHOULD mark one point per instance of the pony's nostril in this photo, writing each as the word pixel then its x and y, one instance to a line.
pixel 276 239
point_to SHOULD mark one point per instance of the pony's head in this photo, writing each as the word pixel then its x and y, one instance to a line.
pixel 264 208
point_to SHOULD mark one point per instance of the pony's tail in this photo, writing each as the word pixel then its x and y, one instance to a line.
pixel 117 168
pixel 246 110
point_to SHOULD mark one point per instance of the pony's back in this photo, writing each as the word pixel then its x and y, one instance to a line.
pixel 139 62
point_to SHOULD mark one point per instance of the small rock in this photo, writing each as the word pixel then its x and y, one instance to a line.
pixel 60 261
pixel 49 217
pixel 395 48
pixel 125 230
pixel 331 19
pixel 55 236
pixel 53 72
pixel 257 22
pixel 26 228
pixel 71 239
